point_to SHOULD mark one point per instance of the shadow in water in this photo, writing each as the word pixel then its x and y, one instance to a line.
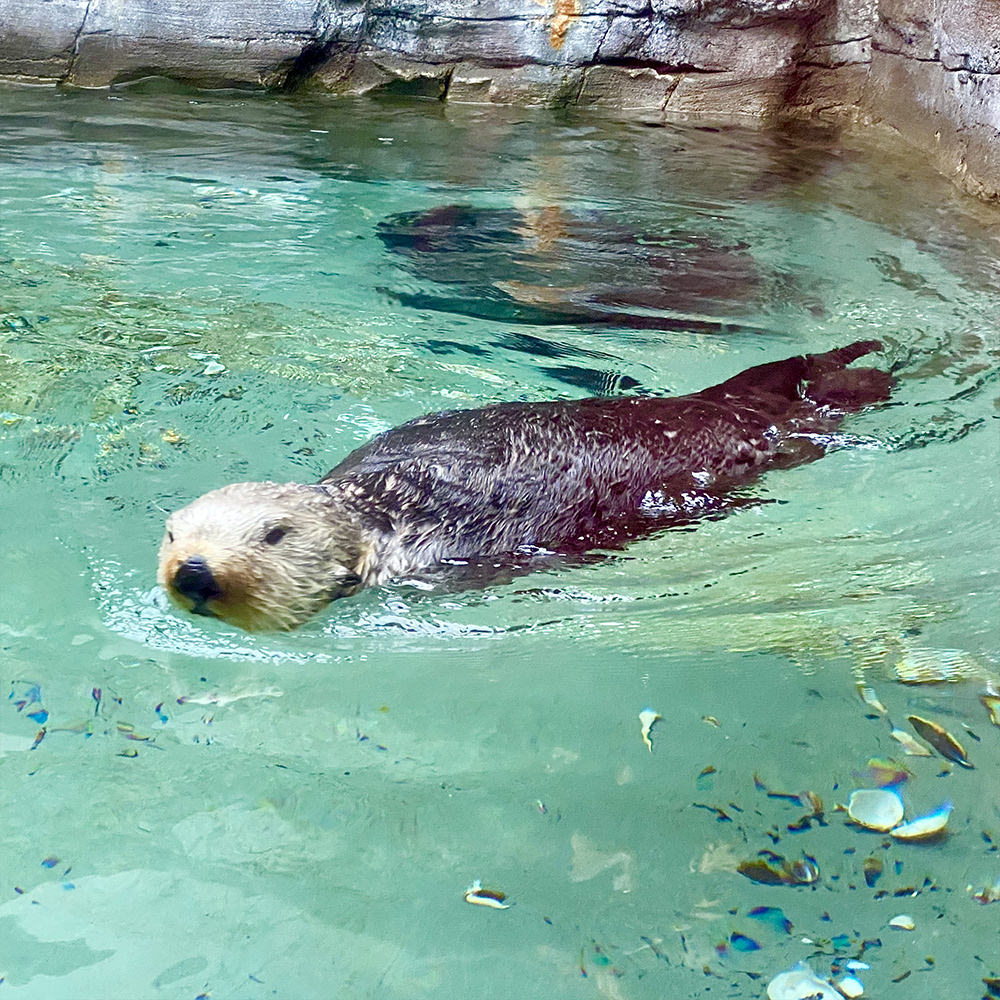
pixel 551 266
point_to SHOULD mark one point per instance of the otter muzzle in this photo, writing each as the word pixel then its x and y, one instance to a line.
pixel 194 580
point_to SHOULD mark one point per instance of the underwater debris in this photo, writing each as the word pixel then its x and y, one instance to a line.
pixel 988 894
pixel 492 898
pixel 647 717
pixel 769 868
pixel 872 869
pixel 772 915
pixel 924 827
pixel 809 799
pixel 220 699
pixel 871 699
pixel 909 744
pixel 800 983
pixel 850 986
pixel 991 702
pixel 741 942
pixel 941 740
pixel 902 922
pixel 884 773
pixel 27 694
pixel 875 808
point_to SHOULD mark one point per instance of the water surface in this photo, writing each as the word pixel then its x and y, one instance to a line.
pixel 199 288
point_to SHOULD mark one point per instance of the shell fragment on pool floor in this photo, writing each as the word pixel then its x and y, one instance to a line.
pixel 924 827
pixel 850 986
pixel 875 808
pixel 991 702
pixel 941 740
pixel 909 744
pixel 902 922
pixel 800 983
pixel 646 719
pixel 479 896
pixel 871 699
pixel 988 893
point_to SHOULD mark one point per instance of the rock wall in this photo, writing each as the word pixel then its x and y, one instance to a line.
pixel 929 69
pixel 935 78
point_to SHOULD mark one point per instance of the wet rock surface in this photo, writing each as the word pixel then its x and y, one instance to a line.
pixel 929 71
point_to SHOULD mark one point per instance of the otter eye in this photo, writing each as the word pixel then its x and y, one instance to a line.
pixel 275 535
pixel 170 537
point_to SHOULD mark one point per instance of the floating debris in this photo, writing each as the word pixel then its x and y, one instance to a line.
pixel 941 740
pixel 903 922
pixel 909 744
pixel 924 827
pixel 992 985
pixel 646 719
pixel 991 702
pixel 870 698
pixel 769 868
pixel 875 808
pixel 772 915
pixel 711 720
pixel 800 983
pixel 850 986
pixel 479 896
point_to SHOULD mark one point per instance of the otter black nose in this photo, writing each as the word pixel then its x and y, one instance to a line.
pixel 194 580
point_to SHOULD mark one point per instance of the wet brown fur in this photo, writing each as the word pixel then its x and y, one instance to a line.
pixel 562 477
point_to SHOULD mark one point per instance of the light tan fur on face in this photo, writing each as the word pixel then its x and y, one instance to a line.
pixel 321 556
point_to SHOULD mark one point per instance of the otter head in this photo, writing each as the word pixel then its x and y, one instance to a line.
pixel 262 555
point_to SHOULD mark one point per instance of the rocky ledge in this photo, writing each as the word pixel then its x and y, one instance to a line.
pixel 929 69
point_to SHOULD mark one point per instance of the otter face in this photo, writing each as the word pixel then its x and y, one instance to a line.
pixel 261 555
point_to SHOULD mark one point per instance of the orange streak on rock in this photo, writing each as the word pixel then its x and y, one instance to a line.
pixel 564 14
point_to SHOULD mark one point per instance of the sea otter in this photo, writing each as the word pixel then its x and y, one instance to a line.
pixel 490 485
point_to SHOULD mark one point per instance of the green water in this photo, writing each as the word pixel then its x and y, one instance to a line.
pixel 193 290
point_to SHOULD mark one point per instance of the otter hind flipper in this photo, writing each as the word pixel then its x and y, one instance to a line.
pixel 821 379
pixel 829 382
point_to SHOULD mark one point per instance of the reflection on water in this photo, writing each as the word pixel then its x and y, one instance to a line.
pixel 196 289
pixel 549 266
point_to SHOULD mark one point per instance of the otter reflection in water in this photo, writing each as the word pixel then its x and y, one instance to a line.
pixel 550 265
pixel 488 486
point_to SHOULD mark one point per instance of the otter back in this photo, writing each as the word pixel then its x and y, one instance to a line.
pixel 568 476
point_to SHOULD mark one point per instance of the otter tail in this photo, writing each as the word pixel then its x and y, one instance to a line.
pixel 820 379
